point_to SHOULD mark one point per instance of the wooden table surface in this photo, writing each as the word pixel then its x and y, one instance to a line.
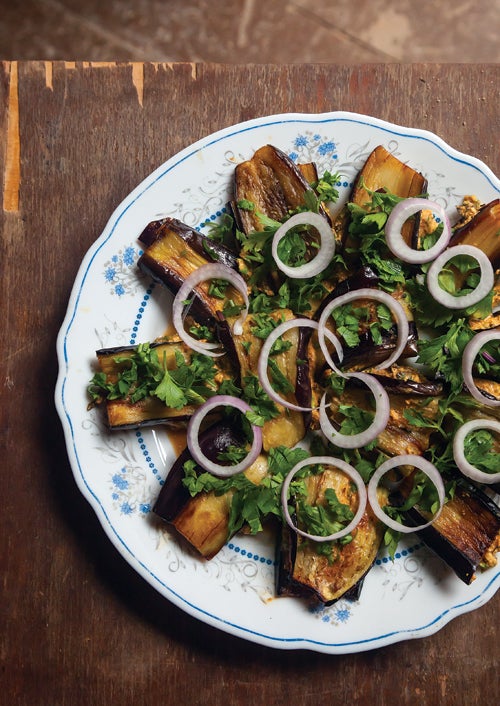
pixel 78 625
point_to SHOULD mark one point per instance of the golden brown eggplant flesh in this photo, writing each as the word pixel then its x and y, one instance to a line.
pixel 289 426
pixel 149 411
pixel 366 353
pixel 482 232
pixel 382 170
pixel 467 527
pixel 399 437
pixel 174 251
pixel 203 520
pixel 303 572
pixel 272 182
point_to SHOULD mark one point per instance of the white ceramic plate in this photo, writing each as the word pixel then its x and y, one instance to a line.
pixel 121 473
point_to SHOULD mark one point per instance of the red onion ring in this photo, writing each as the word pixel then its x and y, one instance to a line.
pixel 266 349
pixel 405 460
pixel 193 431
pixel 382 412
pixel 203 273
pixel 348 470
pixel 470 353
pixel 326 249
pixel 483 288
pixel 398 216
pixel 384 298
pixel 459 451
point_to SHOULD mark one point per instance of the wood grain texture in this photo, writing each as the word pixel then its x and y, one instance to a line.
pixel 246 31
pixel 77 624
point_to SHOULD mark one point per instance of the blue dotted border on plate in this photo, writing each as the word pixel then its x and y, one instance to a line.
pixel 147 456
pixel 140 313
pixel 251 555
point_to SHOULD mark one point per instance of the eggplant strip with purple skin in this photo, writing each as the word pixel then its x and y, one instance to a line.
pixel 400 437
pixel 466 530
pixel 288 427
pixel 121 412
pixel 482 232
pixel 366 353
pixel 270 184
pixel 203 520
pixel 173 251
pixel 303 572
pixel 273 183
pixel 242 352
pixel 383 171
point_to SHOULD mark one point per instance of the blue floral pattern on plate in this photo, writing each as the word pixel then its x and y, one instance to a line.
pixel 120 272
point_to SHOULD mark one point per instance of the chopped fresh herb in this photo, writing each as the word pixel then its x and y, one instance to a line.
pixel 222 231
pixel 351 320
pixel 326 187
pixel 169 392
pixel 443 354
pixel 480 450
pixel 251 503
pixel 217 288
pixel 230 309
pixel 355 419
pixel 325 519
pixel 263 408
pixel 201 332
pixel 263 325
pixel 142 375
pixel 280 382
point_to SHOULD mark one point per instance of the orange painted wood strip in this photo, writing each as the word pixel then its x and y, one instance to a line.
pixel 12 173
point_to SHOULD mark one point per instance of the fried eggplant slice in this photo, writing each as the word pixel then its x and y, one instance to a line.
pixel 366 353
pixel 405 380
pixel 465 532
pixel 273 183
pixel 482 231
pixel 383 171
pixel 203 520
pixel 286 426
pixel 125 412
pixel 173 251
pixel 400 436
pixel 304 572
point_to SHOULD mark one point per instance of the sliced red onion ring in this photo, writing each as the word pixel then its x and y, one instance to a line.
pixel 483 288
pixel 406 460
pixel 266 349
pixel 459 453
pixel 203 273
pixel 469 356
pixel 384 298
pixel 193 432
pixel 326 249
pixel 398 216
pixel 382 411
pixel 342 466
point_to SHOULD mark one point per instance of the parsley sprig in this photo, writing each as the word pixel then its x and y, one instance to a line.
pixel 443 354
pixel 143 374
pixel 251 503
pixel 366 228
